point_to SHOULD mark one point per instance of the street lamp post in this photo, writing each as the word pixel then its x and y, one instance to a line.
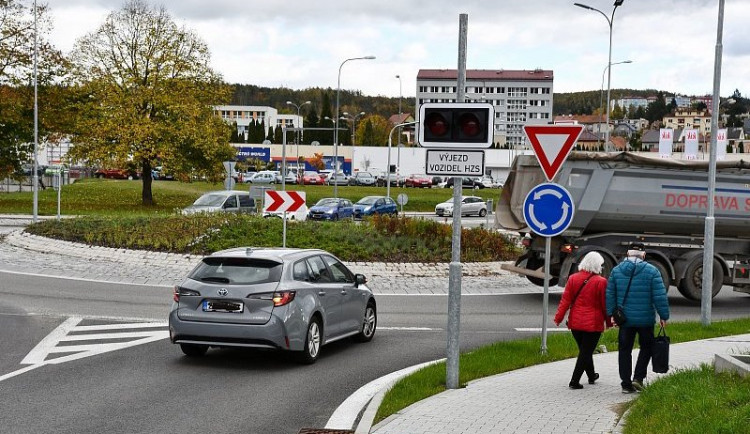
pixel 610 20
pixel 388 170
pixel 601 100
pixel 400 130
pixel 353 120
pixel 296 139
pixel 336 122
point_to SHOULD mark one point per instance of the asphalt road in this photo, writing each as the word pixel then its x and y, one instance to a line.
pixel 152 387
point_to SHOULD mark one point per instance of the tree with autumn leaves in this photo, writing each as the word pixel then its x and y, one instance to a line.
pixel 144 92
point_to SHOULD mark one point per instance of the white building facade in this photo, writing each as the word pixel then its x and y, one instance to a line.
pixel 243 115
pixel 519 97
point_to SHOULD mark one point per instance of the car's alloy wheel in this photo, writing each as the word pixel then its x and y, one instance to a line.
pixel 482 212
pixel 312 343
pixel 369 324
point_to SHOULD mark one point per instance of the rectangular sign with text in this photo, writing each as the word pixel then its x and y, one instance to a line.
pixel 448 162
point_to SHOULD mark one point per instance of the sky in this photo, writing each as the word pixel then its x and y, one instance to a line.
pixel 300 44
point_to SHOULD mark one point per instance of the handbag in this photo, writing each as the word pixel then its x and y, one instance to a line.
pixel 660 352
pixel 618 315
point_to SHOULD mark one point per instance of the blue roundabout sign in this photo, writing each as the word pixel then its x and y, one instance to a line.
pixel 548 209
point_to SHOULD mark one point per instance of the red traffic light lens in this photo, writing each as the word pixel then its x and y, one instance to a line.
pixel 436 123
pixel 469 124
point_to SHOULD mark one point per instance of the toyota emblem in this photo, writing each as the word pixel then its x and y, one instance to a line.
pixel 222 292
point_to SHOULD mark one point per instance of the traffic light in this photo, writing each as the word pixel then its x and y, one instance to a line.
pixel 456 125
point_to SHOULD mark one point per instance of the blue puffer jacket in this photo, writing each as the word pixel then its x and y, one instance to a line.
pixel 647 293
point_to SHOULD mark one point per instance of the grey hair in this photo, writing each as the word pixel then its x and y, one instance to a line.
pixel 592 263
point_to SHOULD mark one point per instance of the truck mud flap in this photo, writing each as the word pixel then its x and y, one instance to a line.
pixel 523 271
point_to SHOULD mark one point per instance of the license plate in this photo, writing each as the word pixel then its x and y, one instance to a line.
pixel 222 306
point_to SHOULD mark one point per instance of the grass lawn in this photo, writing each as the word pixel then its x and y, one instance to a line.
pixel 507 356
pixel 692 401
pixel 117 197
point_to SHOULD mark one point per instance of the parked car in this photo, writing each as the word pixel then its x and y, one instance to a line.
pixel 117 174
pixel 263 177
pixel 286 299
pixel 337 179
pixel 469 205
pixel 488 182
pixel 330 208
pixel 299 215
pixel 371 205
pixel 247 176
pixel 222 201
pixel 393 179
pixel 311 178
pixel 466 182
pixel 159 173
pixel 362 178
pixel 418 181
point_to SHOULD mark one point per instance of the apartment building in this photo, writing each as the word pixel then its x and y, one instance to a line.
pixel 689 118
pixel 519 97
pixel 243 115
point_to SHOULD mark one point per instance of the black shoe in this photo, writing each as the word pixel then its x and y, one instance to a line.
pixel 593 380
pixel 575 386
pixel 638 385
pixel 628 389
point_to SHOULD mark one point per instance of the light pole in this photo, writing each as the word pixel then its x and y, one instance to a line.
pixel 610 20
pixel 400 130
pixel 35 185
pixel 601 100
pixel 296 139
pixel 336 122
pixel 388 170
pixel 353 120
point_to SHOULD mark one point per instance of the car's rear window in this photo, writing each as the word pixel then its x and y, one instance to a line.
pixel 236 271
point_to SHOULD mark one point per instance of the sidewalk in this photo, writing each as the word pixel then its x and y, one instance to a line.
pixel 537 399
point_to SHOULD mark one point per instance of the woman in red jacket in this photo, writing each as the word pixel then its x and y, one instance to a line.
pixel 584 295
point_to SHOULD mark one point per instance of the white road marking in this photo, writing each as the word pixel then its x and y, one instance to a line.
pixel 49 345
pixel 539 330
pixel 411 329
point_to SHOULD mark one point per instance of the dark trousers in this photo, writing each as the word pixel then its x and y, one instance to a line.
pixel 586 345
pixel 626 339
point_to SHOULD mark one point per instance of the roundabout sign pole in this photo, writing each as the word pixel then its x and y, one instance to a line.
pixel 548 208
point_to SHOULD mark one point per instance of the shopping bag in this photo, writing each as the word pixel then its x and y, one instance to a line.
pixel 660 352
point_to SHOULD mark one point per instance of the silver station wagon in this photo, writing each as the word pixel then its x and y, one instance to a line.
pixel 289 299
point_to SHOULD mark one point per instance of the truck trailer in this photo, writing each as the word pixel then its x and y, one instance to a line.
pixel 622 198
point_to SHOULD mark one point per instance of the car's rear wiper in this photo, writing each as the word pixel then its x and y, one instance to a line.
pixel 214 279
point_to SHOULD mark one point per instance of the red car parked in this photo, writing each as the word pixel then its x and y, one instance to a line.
pixel 312 178
pixel 418 181
pixel 117 174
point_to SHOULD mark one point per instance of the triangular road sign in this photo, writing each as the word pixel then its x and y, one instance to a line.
pixel 552 144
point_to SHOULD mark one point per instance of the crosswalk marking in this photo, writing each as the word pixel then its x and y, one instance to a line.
pixel 70 331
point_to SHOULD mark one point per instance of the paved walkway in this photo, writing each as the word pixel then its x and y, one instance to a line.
pixel 537 399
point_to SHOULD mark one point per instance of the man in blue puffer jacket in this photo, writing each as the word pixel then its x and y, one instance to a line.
pixel 646 295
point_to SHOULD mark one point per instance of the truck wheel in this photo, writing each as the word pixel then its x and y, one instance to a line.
pixel 662 270
pixel 534 264
pixel 691 284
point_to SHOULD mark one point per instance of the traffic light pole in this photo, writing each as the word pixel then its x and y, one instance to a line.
pixel 454 271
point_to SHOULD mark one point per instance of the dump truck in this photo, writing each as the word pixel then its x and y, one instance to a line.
pixel 624 197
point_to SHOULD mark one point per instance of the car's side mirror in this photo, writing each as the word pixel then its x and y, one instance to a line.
pixel 360 279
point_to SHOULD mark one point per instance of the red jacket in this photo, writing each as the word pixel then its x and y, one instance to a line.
pixel 589 311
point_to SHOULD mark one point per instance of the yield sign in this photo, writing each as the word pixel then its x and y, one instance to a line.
pixel 552 144
pixel 284 201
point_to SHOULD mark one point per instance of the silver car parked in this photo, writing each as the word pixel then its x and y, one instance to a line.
pixel 289 299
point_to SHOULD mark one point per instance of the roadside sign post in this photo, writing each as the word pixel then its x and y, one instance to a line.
pixel 229 181
pixel 548 208
pixel 402 199
pixel 283 201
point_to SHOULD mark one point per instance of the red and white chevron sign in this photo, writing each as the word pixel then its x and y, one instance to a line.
pixel 280 201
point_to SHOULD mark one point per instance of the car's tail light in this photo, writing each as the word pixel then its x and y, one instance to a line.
pixel 568 248
pixel 179 291
pixel 281 298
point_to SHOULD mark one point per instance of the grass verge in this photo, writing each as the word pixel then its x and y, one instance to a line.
pixel 511 355
pixel 120 197
pixel 381 238
pixel 692 401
